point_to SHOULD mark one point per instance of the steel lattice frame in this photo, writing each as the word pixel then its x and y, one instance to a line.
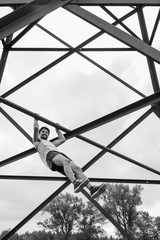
pixel 26 14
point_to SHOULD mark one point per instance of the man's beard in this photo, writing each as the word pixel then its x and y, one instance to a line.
pixel 44 136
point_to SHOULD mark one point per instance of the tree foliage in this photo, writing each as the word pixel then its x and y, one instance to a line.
pixel 69 218
pixel 147 227
pixel 122 202
pixel 35 235
pixel 68 213
pixel 90 223
pixel 14 237
pixel 63 212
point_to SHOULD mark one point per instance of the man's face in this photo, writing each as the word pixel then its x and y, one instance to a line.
pixel 44 134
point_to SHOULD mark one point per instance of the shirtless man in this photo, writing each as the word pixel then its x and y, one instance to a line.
pixel 58 161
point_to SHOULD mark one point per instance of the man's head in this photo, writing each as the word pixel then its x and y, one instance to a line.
pixel 44 132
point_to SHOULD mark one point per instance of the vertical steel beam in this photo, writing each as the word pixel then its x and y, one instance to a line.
pixel 151 64
pixel 4 56
pixel 155 28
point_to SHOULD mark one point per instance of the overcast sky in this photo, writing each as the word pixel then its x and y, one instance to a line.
pixel 74 93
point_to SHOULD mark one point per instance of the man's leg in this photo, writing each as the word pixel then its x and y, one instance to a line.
pixel 79 173
pixel 64 162
pixel 71 170
pixel 95 191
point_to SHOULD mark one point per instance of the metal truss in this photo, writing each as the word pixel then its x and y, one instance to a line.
pixel 26 14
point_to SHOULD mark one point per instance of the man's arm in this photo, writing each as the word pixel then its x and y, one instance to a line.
pixel 35 131
pixel 61 138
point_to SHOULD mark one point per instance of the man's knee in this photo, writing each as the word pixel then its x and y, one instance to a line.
pixel 77 168
pixel 66 161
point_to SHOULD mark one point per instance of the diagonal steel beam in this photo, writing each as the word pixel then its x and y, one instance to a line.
pixel 14 2
pixel 27 14
pixel 36 210
pixel 98 122
pixel 17 157
pixel 17 38
pixel 117 33
pixel 119 21
pixel 107 215
pixel 16 124
pixel 115 115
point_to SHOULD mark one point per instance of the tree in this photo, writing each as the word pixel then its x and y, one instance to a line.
pixel 38 235
pixel 35 235
pixel 90 224
pixel 157 228
pixel 14 237
pixel 147 227
pixel 64 212
pixel 68 213
pixel 121 203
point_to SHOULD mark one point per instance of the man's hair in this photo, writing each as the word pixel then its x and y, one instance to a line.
pixel 44 128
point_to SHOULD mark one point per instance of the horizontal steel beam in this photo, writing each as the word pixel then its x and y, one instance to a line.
pixel 117 2
pixel 100 180
pixel 115 32
pixel 27 14
pixel 97 49
pixel 91 2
